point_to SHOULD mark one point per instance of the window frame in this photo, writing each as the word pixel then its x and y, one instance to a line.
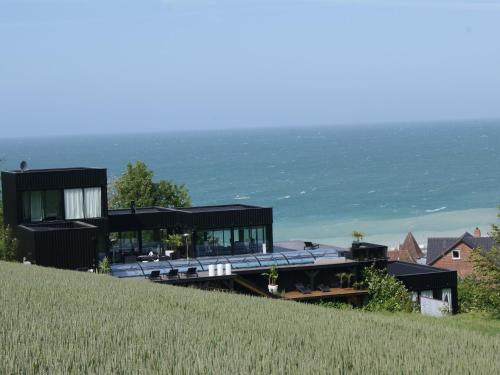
pixel 453 257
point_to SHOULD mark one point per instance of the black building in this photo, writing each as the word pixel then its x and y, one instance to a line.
pixel 61 219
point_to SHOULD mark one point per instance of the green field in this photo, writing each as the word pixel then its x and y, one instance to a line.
pixel 60 322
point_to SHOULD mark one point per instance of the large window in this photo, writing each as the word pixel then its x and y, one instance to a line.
pixel 214 242
pixel 42 205
pixel 82 203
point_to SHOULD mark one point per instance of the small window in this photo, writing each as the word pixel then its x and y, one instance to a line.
pixel 455 254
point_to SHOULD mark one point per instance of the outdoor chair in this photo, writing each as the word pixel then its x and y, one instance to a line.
pixel 154 275
pixel 302 289
pixel 324 288
pixel 310 245
pixel 174 272
pixel 191 271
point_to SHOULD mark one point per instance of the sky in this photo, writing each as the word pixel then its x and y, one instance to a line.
pixel 103 66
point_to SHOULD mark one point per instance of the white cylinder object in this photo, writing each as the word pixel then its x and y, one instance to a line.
pixel 264 248
pixel 211 270
pixel 228 269
pixel 220 269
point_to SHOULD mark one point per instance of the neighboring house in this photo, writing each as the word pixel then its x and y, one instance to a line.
pixel 453 252
pixel 409 251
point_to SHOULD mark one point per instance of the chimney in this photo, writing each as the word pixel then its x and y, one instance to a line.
pixel 477 232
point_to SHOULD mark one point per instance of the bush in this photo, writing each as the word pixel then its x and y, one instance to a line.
pixel 8 244
pixel 385 292
pixel 104 266
pixel 474 296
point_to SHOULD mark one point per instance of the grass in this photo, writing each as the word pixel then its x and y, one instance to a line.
pixel 63 322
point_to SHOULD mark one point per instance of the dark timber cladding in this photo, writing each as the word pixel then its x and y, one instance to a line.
pixel 192 217
pixel 50 232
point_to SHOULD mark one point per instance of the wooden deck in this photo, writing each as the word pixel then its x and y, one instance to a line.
pixel 317 294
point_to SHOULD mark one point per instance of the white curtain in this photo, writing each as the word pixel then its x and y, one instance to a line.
pixel 92 202
pixel 73 203
pixel 36 206
pixel 447 296
pixel 414 296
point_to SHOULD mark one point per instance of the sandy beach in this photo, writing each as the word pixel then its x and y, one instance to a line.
pixel 391 232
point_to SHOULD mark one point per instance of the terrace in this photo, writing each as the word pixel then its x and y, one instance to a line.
pixel 325 272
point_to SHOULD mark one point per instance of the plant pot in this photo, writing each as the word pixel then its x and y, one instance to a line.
pixel 343 284
pixel 273 288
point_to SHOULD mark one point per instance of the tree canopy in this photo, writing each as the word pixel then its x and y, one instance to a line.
pixel 136 184
pixel 480 291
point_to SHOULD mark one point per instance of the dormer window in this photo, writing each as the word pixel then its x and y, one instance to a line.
pixel 455 254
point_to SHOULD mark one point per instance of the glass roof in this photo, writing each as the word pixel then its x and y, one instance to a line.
pixel 138 269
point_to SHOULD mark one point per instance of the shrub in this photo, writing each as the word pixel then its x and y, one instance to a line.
pixel 385 292
pixel 104 266
pixel 8 244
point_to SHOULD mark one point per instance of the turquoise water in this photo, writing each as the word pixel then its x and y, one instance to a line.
pixel 323 182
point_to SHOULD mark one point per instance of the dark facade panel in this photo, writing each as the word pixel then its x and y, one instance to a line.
pixel 63 245
pixel 144 221
pixel 120 222
pixel 61 179
pixel 231 218
pixel 9 198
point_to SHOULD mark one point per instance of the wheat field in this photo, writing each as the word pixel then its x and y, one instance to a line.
pixel 66 322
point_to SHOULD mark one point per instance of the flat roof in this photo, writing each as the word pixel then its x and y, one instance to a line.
pixel 48 170
pixel 224 207
pixel 193 210
pixel 400 268
pixel 142 210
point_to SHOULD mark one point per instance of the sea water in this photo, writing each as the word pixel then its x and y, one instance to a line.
pixel 323 182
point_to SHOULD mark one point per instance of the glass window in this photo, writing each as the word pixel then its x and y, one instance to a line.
pixel 36 206
pixel 26 206
pixel 92 199
pixel 455 254
pixel 73 203
pixel 53 205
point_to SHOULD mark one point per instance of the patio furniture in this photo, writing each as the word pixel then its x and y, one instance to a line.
pixel 302 289
pixel 174 272
pixel 310 245
pixel 154 275
pixel 191 271
pixel 324 288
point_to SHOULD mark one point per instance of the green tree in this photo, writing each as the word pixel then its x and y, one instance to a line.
pixel 136 184
pixel 385 292
pixel 480 291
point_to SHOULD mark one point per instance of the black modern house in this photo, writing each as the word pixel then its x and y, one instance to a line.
pixel 61 219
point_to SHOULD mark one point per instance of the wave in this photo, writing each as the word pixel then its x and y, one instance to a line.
pixel 241 197
pixel 436 210
pixel 371 192
pixel 285 197
pixel 302 192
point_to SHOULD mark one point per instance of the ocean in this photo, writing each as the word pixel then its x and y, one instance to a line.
pixel 323 182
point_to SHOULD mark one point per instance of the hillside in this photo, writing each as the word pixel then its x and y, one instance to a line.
pixel 56 321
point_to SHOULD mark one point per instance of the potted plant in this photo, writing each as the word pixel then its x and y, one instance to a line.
pixel 349 277
pixel 357 285
pixel 342 279
pixel 357 235
pixel 173 241
pixel 272 277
